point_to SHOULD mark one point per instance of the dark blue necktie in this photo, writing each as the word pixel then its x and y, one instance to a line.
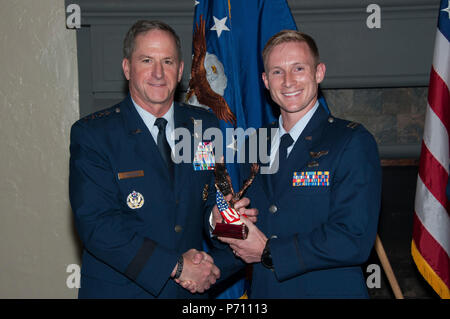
pixel 163 145
pixel 285 141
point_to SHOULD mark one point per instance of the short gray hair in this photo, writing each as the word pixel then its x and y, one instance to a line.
pixel 143 26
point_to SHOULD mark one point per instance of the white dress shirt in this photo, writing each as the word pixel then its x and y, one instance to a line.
pixel 149 120
pixel 295 132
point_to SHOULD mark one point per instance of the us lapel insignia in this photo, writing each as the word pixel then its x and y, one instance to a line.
pixel 205 192
pixel 204 157
pixel 196 122
pixel 311 178
pixel 135 200
pixel 193 120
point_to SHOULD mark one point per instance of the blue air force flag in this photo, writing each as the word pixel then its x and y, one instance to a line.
pixel 228 39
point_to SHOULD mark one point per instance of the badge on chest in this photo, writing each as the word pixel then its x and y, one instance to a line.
pixel 311 178
pixel 204 157
pixel 135 200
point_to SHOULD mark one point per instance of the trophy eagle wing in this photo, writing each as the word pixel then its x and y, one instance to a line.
pixel 198 84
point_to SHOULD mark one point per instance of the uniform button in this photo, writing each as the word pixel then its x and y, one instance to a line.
pixel 178 228
pixel 330 120
pixel 273 209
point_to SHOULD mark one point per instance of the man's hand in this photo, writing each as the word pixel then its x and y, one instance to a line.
pixel 217 218
pixel 199 271
pixel 250 213
pixel 250 249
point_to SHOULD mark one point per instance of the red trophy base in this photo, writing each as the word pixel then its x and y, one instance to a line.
pixel 231 231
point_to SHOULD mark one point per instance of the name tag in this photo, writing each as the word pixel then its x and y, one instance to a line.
pixel 204 157
pixel 311 178
pixel 131 174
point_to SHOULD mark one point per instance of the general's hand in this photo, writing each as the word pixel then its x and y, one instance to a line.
pixel 199 271
pixel 197 259
pixel 250 249
pixel 217 218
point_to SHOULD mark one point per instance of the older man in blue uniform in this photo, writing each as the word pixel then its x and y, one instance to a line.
pixel 142 217
pixel 318 211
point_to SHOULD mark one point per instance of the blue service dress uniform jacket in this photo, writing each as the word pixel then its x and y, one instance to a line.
pixel 320 234
pixel 131 252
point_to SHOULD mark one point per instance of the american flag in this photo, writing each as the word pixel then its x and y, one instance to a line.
pixel 229 214
pixel 430 246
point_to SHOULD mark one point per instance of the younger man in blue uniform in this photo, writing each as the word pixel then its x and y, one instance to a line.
pixel 318 211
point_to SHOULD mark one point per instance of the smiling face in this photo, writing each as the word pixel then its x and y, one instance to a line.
pixel 292 78
pixel 153 71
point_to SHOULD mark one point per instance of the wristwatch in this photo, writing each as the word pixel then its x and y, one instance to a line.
pixel 179 267
pixel 266 257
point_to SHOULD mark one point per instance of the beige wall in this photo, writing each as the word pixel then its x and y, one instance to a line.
pixel 39 102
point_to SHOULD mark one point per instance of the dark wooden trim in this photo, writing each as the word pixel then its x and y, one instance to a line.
pixel 399 162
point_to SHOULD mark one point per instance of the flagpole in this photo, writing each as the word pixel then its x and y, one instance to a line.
pixel 387 268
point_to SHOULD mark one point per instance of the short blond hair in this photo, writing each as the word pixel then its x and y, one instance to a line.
pixel 285 36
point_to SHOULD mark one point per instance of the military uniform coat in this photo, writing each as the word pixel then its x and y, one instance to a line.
pixel 115 164
pixel 321 234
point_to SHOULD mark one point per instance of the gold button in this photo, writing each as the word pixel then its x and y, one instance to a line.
pixel 178 228
pixel 330 120
pixel 273 209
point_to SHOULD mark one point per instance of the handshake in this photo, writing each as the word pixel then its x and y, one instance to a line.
pixel 198 270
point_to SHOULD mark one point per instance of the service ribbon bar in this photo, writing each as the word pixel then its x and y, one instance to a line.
pixel 315 178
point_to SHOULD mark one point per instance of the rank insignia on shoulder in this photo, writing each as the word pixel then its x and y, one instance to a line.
pixel 205 192
pixel 204 157
pixel 352 124
pixel 311 178
pixel 97 115
pixel 135 200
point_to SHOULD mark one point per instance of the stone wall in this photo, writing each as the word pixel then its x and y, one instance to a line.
pixel 395 116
